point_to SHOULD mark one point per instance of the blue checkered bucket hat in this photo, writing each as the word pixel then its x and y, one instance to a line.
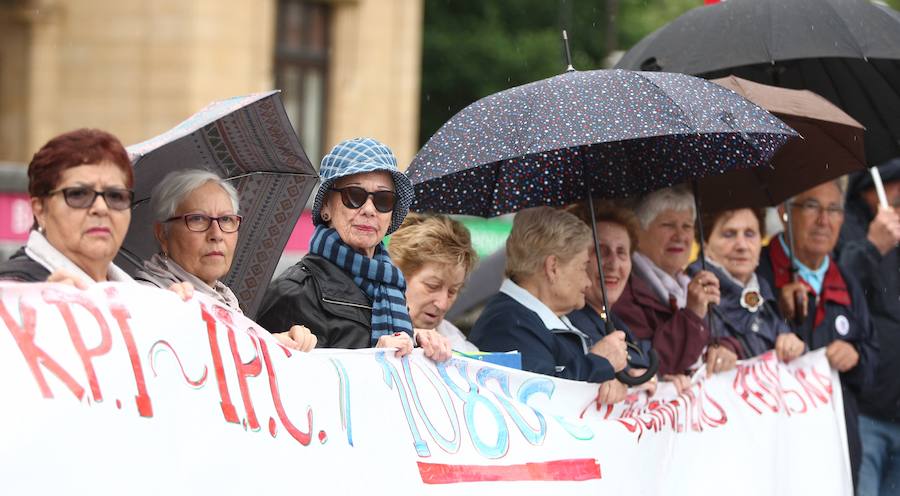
pixel 360 155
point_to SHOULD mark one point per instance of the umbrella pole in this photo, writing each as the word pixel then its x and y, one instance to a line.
pixel 789 234
pixel 569 67
pixel 702 255
pixel 607 319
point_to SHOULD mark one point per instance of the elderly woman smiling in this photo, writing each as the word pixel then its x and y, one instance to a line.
pixel 197 225
pixel 546 266
pixel 347 290
pixel 80 186
pixel 661 303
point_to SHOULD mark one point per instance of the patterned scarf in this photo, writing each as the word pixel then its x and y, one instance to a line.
pixel 162 272
pixel 377 277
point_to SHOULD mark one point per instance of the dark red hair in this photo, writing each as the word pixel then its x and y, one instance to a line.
pixel 79 147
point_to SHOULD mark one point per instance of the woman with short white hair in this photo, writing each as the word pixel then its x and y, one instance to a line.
pixel 661 303
pixel 196 225
pixel 546 268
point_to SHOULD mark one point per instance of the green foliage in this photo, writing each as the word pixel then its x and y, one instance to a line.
pixel 473 48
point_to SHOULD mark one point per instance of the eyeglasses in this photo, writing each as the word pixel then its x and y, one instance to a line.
pixel 355 197
pixel 811 208
pixel 84 197
pixel 202 223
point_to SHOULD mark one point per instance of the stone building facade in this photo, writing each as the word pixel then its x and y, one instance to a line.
pixel 138 67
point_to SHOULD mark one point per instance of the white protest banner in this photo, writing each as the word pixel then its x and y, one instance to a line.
pixel 123 389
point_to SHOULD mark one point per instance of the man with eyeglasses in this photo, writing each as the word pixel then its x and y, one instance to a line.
pixel 868 249
pixel 832 306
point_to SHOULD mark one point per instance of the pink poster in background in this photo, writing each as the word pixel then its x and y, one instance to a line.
pixel 16 220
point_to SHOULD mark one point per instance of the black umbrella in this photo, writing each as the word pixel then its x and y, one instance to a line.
pixel 249 141
pixel 847 51
pixel 580 134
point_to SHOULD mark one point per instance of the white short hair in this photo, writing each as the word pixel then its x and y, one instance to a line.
pixel 677 198
pixel 171 192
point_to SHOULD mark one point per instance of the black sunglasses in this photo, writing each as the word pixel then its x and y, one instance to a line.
pixel 84 197
pixel 355 197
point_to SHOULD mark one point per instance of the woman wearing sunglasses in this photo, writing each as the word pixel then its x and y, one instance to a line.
pixel 80 187
pixel 346 289
pixel 197 225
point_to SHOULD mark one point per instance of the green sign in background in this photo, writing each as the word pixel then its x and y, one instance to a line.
pixel 488 235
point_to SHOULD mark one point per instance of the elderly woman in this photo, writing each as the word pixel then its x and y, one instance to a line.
pixel 747 309
pixel 617 230
pixel 435 254
pixel 197 225
pixel 80 186
pixel 547 255
pixel 661 303
pixel 346 289
pixel 834 310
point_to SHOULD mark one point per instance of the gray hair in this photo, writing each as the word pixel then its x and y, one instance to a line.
pixel 677 198
pixel 539 232
pixel 840 183
pixel 171 192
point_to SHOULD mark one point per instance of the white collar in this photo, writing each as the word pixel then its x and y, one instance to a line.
pixel 529 301
pixel 41 251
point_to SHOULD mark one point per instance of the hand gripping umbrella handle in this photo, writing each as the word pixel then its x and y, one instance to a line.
pixel 625 378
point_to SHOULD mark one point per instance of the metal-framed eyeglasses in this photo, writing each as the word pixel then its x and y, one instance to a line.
pixel 814 209
pixel 202 222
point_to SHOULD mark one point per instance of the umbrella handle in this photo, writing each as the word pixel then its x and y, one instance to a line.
pixel 625 378
pixel 879 187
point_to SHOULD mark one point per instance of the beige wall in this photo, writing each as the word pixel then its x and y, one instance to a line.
pixel 134 67
pixel 14 43
pixel 138 67
pixel 376 73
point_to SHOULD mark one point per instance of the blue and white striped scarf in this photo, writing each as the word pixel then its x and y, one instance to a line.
pixel 378 277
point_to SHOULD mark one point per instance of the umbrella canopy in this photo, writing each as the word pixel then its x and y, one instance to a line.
pixel 620 133
pixel 832 146
pixel 847 51
pixel 610 133
pixel 248 140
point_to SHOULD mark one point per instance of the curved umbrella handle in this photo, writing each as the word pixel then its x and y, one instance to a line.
pixel 625 378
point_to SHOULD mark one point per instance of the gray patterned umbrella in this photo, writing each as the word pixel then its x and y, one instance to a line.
pixel 250 141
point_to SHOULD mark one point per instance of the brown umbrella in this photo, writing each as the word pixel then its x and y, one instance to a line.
pixel 832 146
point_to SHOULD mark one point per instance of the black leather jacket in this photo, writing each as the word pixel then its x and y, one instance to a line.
pixel 321 296
pixel 20 267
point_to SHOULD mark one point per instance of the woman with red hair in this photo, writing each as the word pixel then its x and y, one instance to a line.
pixel 80 185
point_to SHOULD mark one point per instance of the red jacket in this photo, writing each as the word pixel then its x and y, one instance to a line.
pixel 678 335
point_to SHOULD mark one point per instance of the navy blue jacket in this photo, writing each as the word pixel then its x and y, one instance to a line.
pixel 507 325
pixel 756 331
pixel 588 321
pixel 879 276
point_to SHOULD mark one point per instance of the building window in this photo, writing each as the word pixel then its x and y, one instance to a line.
pixel 301 69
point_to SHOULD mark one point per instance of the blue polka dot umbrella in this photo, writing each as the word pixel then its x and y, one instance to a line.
pixel 614 133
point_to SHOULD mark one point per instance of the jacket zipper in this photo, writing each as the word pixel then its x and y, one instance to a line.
pixel 335 302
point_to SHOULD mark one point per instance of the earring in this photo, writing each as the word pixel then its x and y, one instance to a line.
pixel 40 229
pixel 784 216
pixel 326 217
